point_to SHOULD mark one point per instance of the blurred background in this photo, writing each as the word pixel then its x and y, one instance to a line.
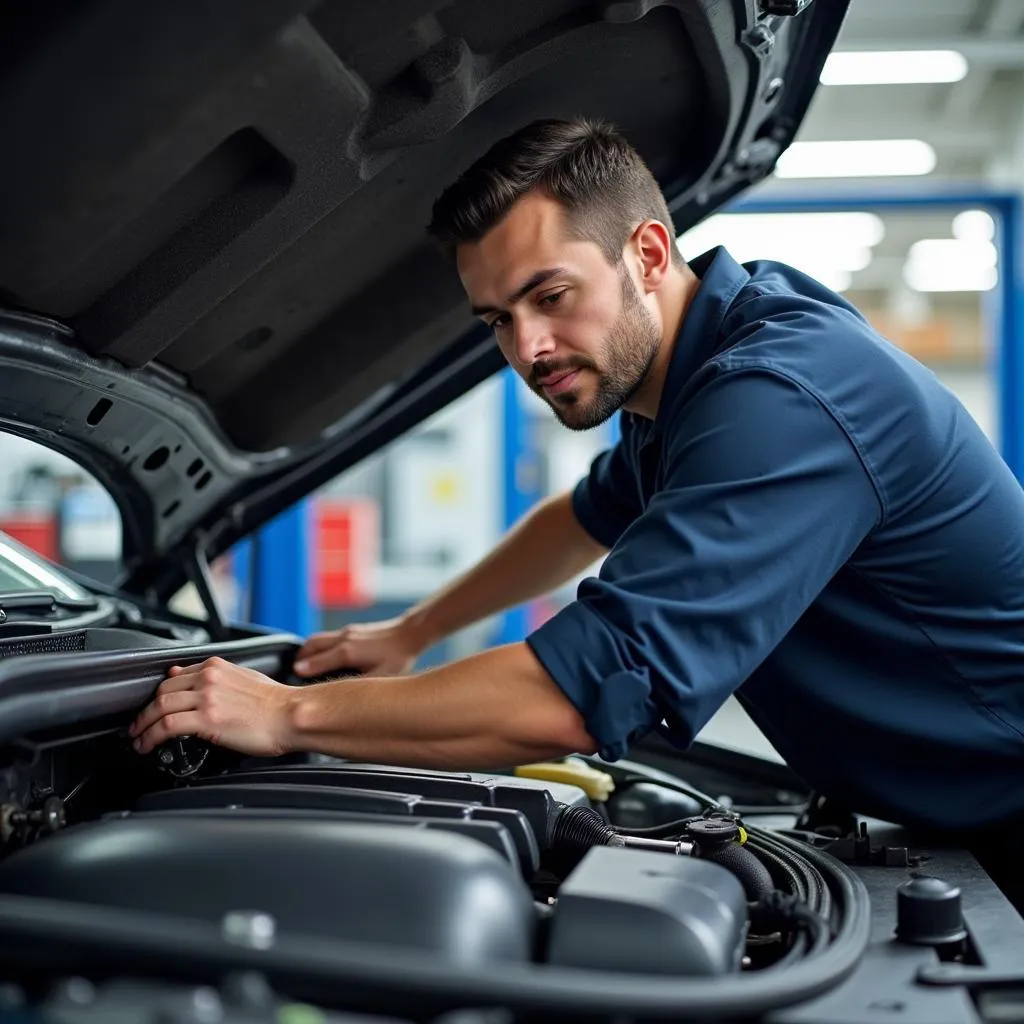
pixel 902 192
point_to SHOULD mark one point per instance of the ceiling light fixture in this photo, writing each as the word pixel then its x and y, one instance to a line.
pixel 893 67
pixel 951 265
pixel 974 225
pixel 868 158
pixel 828 246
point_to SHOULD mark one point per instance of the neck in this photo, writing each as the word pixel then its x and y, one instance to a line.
pixel 673 299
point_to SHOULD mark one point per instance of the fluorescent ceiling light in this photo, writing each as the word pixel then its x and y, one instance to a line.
pixel 829 247
pixel 836 231
pixel 974 226
pixel 870 158
pixel 951 265
pixel 893 67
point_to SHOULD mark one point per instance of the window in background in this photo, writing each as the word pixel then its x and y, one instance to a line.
pixel 49 504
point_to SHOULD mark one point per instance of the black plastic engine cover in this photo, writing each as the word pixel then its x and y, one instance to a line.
pixel 227 791
pixel 491 833
pixel 540 801
pixel 649 913
pixel 390 886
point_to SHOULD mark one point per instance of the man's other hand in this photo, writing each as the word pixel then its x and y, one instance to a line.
pixel 222 703
pixel 386 648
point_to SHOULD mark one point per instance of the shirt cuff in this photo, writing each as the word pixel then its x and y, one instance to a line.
pixel 615 700
pixel 590 519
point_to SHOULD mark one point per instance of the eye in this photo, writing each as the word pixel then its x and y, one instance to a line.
pixel 501 322
pixel 551 299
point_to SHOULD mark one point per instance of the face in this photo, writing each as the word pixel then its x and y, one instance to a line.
pixel 574 327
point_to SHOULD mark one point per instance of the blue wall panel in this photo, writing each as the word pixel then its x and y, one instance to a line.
pixel 282 584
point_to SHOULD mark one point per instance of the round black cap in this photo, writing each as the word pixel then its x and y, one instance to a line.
pixel 713 830
pixel 928 912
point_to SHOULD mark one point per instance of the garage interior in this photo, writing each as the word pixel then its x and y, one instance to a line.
pixel 216 296
pixel 903 191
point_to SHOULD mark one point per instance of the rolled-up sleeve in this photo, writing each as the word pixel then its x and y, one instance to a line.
pixel 765 497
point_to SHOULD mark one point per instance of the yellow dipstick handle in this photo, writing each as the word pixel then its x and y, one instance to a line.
pixel 597 785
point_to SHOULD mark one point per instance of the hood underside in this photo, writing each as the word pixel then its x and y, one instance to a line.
pixel 221 209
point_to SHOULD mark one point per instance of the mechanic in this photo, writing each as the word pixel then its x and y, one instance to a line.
pixel 797 512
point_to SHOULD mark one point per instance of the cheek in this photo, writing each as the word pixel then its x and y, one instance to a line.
pixel 587 334
pixel 506 348
pixel 595 319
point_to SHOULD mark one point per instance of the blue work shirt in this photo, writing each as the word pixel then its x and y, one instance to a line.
pixel 815 523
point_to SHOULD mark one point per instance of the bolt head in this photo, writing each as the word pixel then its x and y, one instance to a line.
pixel 250 928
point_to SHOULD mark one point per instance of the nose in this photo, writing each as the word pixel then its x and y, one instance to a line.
pixel 532 340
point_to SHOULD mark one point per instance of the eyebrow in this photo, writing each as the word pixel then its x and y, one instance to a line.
pixel 523 290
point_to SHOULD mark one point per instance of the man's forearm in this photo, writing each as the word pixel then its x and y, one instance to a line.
pixel 496 709
pixel 544 550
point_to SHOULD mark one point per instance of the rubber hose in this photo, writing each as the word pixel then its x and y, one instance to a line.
pixel 786 877
pixel 754 876
pixel 815 891
pixel 577 829
pixel 801 860
pixel 580 828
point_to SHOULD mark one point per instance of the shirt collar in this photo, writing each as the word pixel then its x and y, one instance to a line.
pixel 721 279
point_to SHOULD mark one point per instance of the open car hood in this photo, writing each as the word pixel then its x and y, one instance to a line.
pixel 217 288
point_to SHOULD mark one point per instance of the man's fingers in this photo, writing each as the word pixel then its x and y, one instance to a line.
pixel 189 670
pixel 178 682
pixel 166 702
pixel 317 643
pixel 333 658
pixel 313 666
pixel 181 723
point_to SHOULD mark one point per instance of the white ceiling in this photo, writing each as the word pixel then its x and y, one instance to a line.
pixel 976 125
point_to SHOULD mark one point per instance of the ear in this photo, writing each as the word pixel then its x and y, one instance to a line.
pixel 652 244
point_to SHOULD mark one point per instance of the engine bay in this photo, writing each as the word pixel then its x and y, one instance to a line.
pixel 196 884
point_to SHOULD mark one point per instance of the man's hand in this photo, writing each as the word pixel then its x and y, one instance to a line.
pixel 491 710
pixel 375 648
pixel 222 703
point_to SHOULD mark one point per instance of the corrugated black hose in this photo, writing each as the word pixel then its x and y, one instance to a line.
pixel 577 829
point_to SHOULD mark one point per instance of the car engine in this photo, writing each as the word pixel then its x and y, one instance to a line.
pixel 198 885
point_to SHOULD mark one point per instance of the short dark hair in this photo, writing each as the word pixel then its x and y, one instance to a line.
pixel 587 166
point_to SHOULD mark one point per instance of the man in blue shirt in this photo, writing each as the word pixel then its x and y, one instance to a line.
pixel 797 513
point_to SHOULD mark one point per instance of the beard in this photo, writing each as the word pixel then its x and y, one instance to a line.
pixel 627 355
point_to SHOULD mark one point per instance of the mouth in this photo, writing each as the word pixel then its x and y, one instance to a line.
pixel 558 383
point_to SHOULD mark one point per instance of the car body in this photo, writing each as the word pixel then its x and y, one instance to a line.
pixel 215 295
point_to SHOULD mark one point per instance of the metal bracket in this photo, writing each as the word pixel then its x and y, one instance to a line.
pixel 857 848
pixel 760 40
pixel 969 976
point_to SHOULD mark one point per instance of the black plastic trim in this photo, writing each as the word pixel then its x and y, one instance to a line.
pixel 462 367
pixel 36 692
